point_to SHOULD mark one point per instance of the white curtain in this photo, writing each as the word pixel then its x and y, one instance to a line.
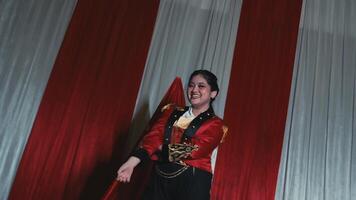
pixel 188 35
pixel 319 152
pixel 31 33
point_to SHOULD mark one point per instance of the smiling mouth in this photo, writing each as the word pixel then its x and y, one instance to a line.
pixel 194 96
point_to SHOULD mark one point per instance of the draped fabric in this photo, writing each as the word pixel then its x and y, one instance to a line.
pixel 319 149
pixel 257 102
pixel 188 35
pixel 31 33
pixel 77 138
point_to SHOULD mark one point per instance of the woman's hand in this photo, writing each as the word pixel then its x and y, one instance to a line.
pixel 125 171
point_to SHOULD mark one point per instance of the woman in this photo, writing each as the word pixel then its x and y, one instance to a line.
pixel 181 142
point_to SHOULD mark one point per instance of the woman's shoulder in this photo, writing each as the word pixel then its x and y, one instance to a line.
pixel 215 121
pixel 218 120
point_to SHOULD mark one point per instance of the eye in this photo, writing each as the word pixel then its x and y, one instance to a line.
pixel 191 85
pixel 201 86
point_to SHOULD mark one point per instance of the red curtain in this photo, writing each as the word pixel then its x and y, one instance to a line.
pixel 74 148
pixel 257 102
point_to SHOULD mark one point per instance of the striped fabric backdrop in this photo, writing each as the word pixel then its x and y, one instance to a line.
pixel 78 78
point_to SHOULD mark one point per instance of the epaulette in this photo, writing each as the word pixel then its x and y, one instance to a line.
pixel 225 130
pixel 166 107
pixel 180 108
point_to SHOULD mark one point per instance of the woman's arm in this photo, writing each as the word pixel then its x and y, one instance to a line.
pixel 150 143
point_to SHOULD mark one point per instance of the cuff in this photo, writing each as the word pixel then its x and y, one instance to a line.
pixel 141 153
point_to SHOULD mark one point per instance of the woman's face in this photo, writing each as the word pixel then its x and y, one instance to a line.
pixel 199 92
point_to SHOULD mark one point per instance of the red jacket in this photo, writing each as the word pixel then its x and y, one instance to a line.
pixel 207 137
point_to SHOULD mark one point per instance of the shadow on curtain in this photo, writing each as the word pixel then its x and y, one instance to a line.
pixel 134 189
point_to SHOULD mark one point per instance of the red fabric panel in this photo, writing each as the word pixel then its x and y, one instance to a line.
pixel 74 148
pixel 257 102
pixel 140 177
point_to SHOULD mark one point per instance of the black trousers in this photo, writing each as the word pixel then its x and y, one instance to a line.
pixel 191 184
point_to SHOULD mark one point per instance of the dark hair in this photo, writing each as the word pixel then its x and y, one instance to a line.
pixel 210 79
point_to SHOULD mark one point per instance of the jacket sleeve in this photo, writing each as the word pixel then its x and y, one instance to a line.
pixel 153 139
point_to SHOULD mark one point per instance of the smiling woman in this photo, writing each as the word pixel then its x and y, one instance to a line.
pixel 181 142
pixel 202 90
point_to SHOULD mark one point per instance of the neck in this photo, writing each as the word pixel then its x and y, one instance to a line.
pixel 196 111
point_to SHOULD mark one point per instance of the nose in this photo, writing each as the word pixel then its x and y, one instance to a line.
pixel 195 88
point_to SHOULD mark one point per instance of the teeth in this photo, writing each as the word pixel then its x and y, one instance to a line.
pixel 195 96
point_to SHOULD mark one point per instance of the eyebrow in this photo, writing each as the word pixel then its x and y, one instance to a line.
pixel 197 82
